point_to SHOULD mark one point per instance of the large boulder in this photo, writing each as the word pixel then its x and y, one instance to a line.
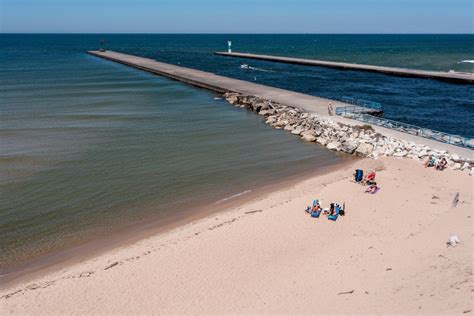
pixel 267 112
pixel 400 154
pixel 271 119
pixel 422 153
pixel 364 149
pixel 334 145
pixel 455 157
pixel 280 123
pixel 264 106
pixel 318 131
pixel 289 127
pixel 308 136
pixel 349 145
pixel 297 131
pixel 257 106
pixel 322 140
pixel 232 99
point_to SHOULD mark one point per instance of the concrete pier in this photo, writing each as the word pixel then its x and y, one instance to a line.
pixel 455 77
pixel 221 84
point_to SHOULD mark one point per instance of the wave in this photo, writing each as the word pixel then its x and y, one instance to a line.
pixel 260 69
pixel 245 67
pixel 466 61
pixel 233 196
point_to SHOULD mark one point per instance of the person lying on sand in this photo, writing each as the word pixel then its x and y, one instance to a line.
pixel 372 189
pixel 429 162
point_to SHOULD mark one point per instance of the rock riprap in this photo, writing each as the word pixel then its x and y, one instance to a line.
pixel 359 140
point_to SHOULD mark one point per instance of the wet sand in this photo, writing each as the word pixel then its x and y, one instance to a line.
pixel 131 234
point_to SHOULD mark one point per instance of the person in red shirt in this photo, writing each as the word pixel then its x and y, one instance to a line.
pixel 370 178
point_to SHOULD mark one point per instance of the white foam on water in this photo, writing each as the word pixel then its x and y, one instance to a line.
pixel 255 68
pixel 233 196
pixel 260 69
pixel 466 61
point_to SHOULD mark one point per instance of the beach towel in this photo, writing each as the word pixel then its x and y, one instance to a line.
pixel 369 190
pixel 359 174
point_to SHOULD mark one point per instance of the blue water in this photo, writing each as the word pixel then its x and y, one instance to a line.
pixel 437 105
pixel 89 146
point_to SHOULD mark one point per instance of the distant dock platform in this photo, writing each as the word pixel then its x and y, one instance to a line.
pixel 454 77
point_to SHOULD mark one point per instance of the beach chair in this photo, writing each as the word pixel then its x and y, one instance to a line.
pixel 336 213
pixel 359 175
pixel 308 209
pixel 313 213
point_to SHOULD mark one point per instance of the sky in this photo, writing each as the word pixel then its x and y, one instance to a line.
pixel 236 16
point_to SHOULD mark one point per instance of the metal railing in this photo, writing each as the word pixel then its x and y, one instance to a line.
pixel 456 140
pixel 362 103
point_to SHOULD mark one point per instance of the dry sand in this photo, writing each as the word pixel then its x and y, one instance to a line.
pixel 387 255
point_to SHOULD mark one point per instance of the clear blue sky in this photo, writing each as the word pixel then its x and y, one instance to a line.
pixel 237 16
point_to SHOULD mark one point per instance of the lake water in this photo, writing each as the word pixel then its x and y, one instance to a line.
pixel 89 147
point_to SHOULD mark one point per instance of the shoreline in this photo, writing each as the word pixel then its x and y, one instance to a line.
pixel 261 242
pixel 126 236
pixel 241 259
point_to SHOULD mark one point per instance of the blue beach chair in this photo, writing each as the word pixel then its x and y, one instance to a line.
pixel 316 214
pixel 359 175
pixel 309 208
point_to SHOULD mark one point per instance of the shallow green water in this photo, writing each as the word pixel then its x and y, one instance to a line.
pixel 89 147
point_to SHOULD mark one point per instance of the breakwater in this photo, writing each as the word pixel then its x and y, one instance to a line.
pixel 306 116
pixel 455 77
pixel 361 140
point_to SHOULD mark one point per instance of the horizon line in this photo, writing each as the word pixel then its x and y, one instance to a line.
pixel 230 33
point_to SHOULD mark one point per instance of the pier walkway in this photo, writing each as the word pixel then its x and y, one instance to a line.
pixel 221 84
pixel 455 77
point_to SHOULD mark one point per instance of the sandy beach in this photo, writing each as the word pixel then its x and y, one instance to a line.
pixel 388 254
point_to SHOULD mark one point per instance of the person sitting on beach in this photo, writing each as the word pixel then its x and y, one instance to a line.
pixel 429 162
pixel 342 210
pixel 442 164
pixel 331 209
pixel 316 207
pixel 370 178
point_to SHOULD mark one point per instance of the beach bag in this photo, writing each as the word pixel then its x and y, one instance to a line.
pixel 359 174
